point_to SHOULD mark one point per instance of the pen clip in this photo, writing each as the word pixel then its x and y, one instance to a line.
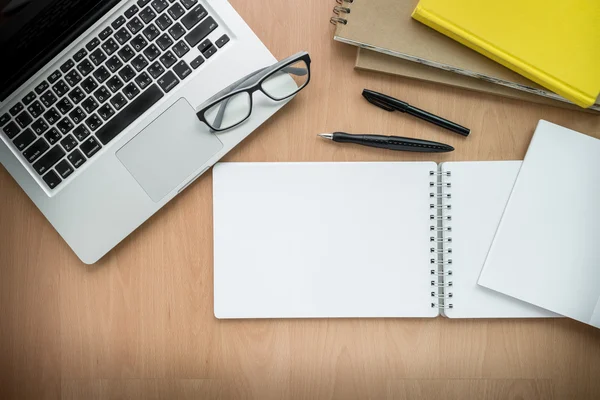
pixel 378 103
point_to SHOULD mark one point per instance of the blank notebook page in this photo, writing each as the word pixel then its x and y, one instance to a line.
pixel 547 249
pixel 322 240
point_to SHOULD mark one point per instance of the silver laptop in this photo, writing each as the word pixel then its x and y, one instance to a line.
pixel 97 100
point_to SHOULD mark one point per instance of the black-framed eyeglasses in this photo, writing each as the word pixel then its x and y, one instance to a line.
pixel 233 105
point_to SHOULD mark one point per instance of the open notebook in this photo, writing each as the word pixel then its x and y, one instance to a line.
pixel 381 239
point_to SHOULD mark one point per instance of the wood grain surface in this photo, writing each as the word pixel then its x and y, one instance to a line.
pixel 139 324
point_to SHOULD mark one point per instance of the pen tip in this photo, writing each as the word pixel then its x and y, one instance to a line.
pixel 326 135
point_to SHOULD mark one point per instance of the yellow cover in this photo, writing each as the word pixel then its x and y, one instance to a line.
pixel 555 43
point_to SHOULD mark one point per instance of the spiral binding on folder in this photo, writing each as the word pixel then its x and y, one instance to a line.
pixel 339 10
pixel 441 239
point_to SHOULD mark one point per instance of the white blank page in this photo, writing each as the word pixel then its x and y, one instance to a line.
pixel 546 250
pixel 480 191
pixel 299 240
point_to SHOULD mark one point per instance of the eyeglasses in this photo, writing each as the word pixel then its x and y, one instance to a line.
pixel 233 105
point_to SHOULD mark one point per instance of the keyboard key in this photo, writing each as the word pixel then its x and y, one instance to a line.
pixel 4 119
pixel 160 5
pixel 85 67
pixel 17 108
pixel 51 116
pixel 139 63
pixel 131 11
pixel 52 179
pixel 151 32
pixel 129 114
pixel 143 80
pixel 182 69
pixel 54 77
pixel 122 36
pixel 23 119
pixel 69 142
pixel 34 151
pixel 60 88
pixel 24 139
pixel 156 70
pixel 77 115
pixel 52 136
pixel 76 95
pixel 114 84
pixel 126 53
pixel 194 16
pixel 204 45
pixel 168 81
pixel 168 59
pixel 118 22
pixel 29 98
pixel 73 78
pixel 135 25
pixel 152 52
pixel 198 61
pixel 40 126
pixel 92 44
pixel 89 104
pixel 48 98
pixel 110 46
pixel 11 130
pixel 164 42
pixel 114 63
pixel 102 94
pixel 142 3
pixel 67 66
pixel 201 31
pixel 181 49
pixel 164 22
pixel 39 89
pixel 48 160
pixel 64 169
pixel 118 101
pixel 209 52
pixel 138 43
pixel 189 3
pixel 76 158
pixel 90 146
pixel 106 111
pixel 101 74
pixel 131 91
pixel 64 105
pixel 65 126
pixel 176 11
pixel 105 33
pixel 89 85
pixel 81 132
pixel 222 41
pixel 98 57
pixel 127 73
pixel 147 15
pixel 176 31
pixel 80 54
pixel 36 109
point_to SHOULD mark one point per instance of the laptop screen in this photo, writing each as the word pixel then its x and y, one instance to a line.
pixel 34 31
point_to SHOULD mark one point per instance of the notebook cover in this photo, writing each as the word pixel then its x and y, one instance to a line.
pixel 386 26
pixel 368 60
pixel 552 42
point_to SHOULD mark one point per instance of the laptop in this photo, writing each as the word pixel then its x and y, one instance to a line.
pixel 97 100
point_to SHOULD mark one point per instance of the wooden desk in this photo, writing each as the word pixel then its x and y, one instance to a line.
pixel 139 324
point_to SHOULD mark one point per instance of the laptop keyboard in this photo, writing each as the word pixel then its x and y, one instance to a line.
pixel 110 82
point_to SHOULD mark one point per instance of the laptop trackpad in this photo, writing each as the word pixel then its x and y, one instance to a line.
pixel 169 150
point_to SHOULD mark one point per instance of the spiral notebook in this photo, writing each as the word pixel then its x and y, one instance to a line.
pixel 359 239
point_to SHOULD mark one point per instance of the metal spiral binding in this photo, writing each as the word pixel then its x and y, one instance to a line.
pixel 339 10
pixel 440 239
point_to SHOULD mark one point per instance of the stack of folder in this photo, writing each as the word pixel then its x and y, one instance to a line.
pixel 540 51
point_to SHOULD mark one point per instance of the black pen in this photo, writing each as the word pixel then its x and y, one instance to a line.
pixel 389 103
pixel 389 142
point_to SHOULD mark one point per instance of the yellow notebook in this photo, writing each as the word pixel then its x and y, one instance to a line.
pixel 555 43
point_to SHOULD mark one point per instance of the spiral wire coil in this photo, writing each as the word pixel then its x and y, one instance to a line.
pixel 340 9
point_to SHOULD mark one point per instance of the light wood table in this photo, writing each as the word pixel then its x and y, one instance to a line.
pixel 139 324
